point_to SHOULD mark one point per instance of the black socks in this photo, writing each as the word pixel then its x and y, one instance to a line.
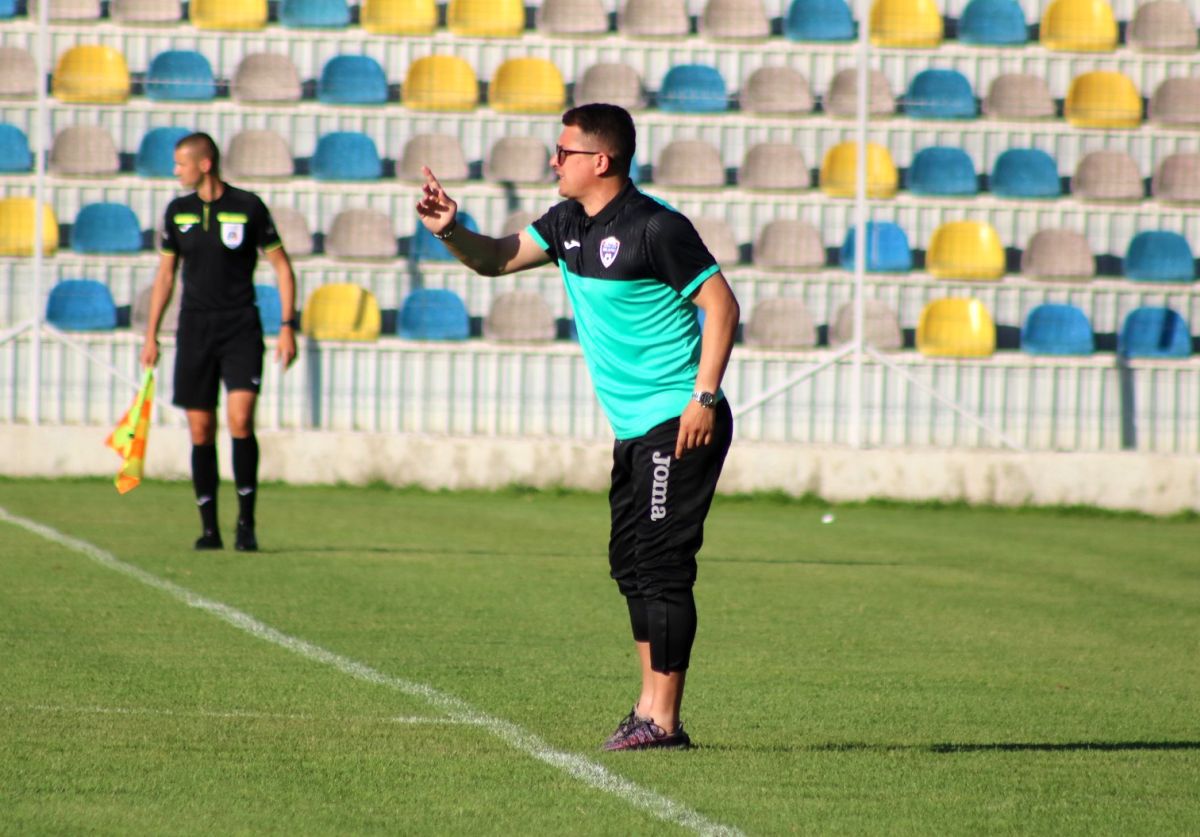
pixel 245 476
pixel 204 483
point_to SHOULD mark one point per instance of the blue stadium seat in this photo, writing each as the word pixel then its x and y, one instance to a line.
pixel 941 170
pixel 1159 256
pixel 1057 329
pixel 819 20
pixel 180 75
pixel 426 248
pixel 106 228
pixel 887 250
pixel 1154 333
pixel 693 88
pixel 314 14
pixel 940 94
pixel 346 155
pixel 993 23
pixel 156 152
pixel 434 314
pixel 15 155
pixel 352 80
pixel 270 308
pixel 81 305
pixel 1025 173
pixel 8 8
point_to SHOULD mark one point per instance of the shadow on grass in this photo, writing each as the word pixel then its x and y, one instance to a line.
pixel 947 749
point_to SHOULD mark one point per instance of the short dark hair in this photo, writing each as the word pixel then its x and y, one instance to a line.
pixel 202 146
pixel 612 125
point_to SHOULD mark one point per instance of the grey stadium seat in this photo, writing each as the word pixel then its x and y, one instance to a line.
pixel 139 312
pixel 735 20
pixel 518 220
pixel 258 154
pixel 572 17
pixel 441 152
pixel 68 9
pixel 1176 101
pixel 84 150
pixel 777 90
pixel 518 160
pixel 690 163
pixel 147 11
pixel 18 73
pixel 774 166
pixel 789 244
pixel 718 237
pixel 293 230
pixel 842 98
pixel 1018 96
pixel 1107 176
pixel 781 323
pixel 265 77
pixel 519 317
pixel 1163 26
pixel 361 234
pixel 881 326
pixel 653 19
pixel 1058 254
pixel 616 84
pixel 1177 178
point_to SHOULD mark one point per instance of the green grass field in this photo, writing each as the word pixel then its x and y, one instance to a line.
pixel 901 670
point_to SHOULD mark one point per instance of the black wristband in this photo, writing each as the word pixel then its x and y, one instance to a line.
pixel 449 231
pixel 292 324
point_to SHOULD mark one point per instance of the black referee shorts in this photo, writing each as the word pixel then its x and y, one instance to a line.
pixel 215 346
pixel 659 504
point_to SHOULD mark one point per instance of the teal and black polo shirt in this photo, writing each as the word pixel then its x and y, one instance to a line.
pixel 630 274
pixel 219 244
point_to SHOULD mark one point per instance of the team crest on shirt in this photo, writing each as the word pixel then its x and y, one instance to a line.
pixel 609 248
pixel 232 234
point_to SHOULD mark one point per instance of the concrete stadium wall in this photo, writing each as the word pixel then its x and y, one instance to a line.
pixel 1151 483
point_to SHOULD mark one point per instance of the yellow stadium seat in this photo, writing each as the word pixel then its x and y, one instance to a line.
pixel 906 23
pixel 956 328
pixel 965 250
pixel 17 223
pixel 1079 26
pixel 399 17
pixel 527 85
pixel 1103 99
pixel 228 14
pixel 92 74
pixel 486 18
pixel 341 312
pixel 440 82
pixel 839 171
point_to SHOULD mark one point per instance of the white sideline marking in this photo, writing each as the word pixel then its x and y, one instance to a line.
pixel 585 770
pixel 238 714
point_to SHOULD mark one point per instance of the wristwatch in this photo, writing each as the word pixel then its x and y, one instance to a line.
pixel 705 399
pixel 449 231
pixel 293 323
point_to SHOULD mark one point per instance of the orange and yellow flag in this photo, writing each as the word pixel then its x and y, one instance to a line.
pixel 129 437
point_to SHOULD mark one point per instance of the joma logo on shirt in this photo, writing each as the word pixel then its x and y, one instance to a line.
pixel 658 491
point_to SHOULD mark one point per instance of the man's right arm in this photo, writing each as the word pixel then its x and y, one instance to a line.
pixel 160 296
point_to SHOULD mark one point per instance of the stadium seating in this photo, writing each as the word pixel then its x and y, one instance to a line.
pixel 617 84
pixel 692 88
pixel 1176 103
pixel 81 305
pixel 139 314
pixel 518 220
pixel 939 94
pixel 527 85
pixel 1079 26
pixel 718 237
pixel 106 228
pixel 433 314
pixel 441 152
pixel 424 247
pixel 993 23
pixel 887 248
pixel 1103 99
pixel 881 326
pixel 1150 332
pixel 690 164
pixel 486 18
pixel 314 14
pixel 839 171
pixel 18 227
pixel 965 250
pixel 1159 256
pixel 156 152
pixel 519 317
pixel 440 83
pixel 1057 329
pixel 180 75
pixel 942 170
pixel 781 323
pixel 133 12
pixel 956 327
pixel 842 98
pixel 68 10
pixel 906 23
pixel 293 230
pixel 517 159
pixel 18 73
pixel 1024 173
pixel 653 19
pixel 819 20
pixel 266 77
pixel 1018 96
pixel 259 154
pixel 789 244
pixel 346 155
pixel 774 166
pixel 15 156
pixel 1054 254
pixel 270 308
pixel 1163 26
pixel 352 80
pixel 361 234
pixel 780 91
pixel 1107 175
pixel 84 150
pixel 341 311
pixel 734 20
pixel 90 74
pixel 398 17
pixel 1177 178
pixel 228 15
pixel 572 17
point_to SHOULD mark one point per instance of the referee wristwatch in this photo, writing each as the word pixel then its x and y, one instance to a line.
pixel 705 399
pixel 293 324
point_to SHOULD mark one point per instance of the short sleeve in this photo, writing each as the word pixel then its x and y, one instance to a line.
pixel 167 241
pixel 679 257
pixel 545 230
pixel 267 237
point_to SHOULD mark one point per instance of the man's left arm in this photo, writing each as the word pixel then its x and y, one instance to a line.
pixel 285 281
pixel 721 316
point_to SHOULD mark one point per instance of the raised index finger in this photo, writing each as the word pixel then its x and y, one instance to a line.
pixel 431 182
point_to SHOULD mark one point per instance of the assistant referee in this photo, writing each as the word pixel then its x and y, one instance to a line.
pixel 217 231
pixel 635 271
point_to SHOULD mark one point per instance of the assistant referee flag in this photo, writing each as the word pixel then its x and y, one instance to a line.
pixel 129 436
